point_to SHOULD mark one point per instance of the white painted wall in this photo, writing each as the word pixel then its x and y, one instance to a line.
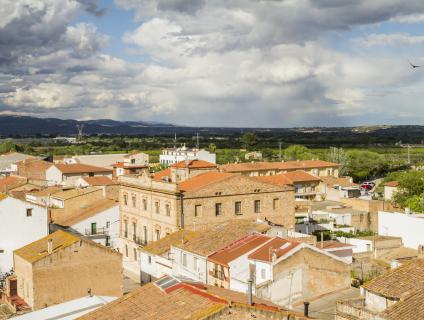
pixel 170 157
pixel 102 219
pixel 53 175
pixel 359 245
pixel 156 266
pixel 179 270
pixel 409 227
pixel 18 230
pixel 389 192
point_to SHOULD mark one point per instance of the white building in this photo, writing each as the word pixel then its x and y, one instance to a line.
pixel 410 227
pixel 97 160
pixel 68 310
pixel 390 188
pixel 173 155
pixel 8 162
pixel 69 174
pixel 21 223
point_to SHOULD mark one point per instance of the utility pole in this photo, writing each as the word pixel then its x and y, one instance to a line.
pixel 197 140
pixel 80 127
pixel 279 145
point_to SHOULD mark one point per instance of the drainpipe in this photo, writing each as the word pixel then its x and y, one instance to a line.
pixel 182 210
pixel 250 292
pixel 306 308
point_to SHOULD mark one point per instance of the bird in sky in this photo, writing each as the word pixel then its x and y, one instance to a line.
pixel 414 65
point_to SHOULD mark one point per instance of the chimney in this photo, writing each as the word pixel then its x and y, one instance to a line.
pixel 49 246
pixel 421 251
pixel 250 292
pixel 89 292
pixel 306 308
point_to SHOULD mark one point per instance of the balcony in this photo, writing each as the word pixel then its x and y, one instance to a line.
pixel 97 232
pixel 355 309
pixel 218 275
pixel 139 240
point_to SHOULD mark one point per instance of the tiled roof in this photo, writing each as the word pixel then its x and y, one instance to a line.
pixel 393 184
pixel 288 165
pixel 164 244
pixel 238 248
pixel 46 191
pixel 163 173
pixel 130 165
pixel 203 180
pixel 331 244
pixel 278 245
pixel 399 282
pixel 194 164
pixel 289 178
pixel 37 250
pixel 99 181
pixel 341 181
pixel 72 193
pixel 209 241
pixel 277 179
pixel 181 300
pixel 412 307
pixel 85 212
pixel 80 168
pixel 11 182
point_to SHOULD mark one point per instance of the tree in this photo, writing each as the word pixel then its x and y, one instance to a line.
pixel 7 146
pixel 212 147
pixel 364 164
pixel 338 155
pixel 248 139
pixel 297 152
pixel 410 191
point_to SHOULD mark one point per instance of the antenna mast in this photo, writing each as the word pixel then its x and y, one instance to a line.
pixel 80 127
pixel 197 140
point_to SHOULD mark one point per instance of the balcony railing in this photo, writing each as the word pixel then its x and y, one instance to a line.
pixel 355 308
pixel 218 274
pixel 97 231
pixel 139 240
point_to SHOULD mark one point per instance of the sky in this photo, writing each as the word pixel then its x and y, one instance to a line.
pixel 238 63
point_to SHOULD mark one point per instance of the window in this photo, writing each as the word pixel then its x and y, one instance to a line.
pixel 135 254
pixel 126 251
pixel 134 225
pixel 195 263
pixel 29 212
pixel 263 273
pixel 313 188
pixel 134 201
pixel 168 209
pixel 237 207
pixel 145 204
pixel 184 260
pixel 145 234
pixel 149 259
pixel 197 210
pixel 275 203
pixel 132 161
pixel 157 207
pixel 94 228
pixel 368 247
pixel 108 224
pixel 157 235
pixel 125 199
pixel 257 205
pixel 126 229
pixel 218 209
pixel 107 241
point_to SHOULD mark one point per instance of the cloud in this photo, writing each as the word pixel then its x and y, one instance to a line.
pixel 217 62
pixel 392 39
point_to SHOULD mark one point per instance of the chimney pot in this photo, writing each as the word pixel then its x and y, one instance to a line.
pixel 306 308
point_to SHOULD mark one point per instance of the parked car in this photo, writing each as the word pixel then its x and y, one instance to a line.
pixel 367 185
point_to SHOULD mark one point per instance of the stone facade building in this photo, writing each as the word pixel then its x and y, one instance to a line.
pixel 194 195
pixel 62 267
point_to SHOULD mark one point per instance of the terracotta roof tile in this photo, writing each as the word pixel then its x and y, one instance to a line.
pixel 194 164
pixel 399 282
pixel 164 244
pixel 11 182
pixel 278 245
pixel 331 244
pixel 80 168
pixel 393 184
pixel 341 181
pixel 161 174
pixel 72 193
pixel 203 180
pixel 412 307
pixel 37 250
pixel 287 165
pixel 99 181
pixel 238 248
pixel 209 241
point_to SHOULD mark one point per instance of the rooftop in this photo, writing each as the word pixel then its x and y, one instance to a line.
pixel 6 159
pixel 99 181
pixel 194 164
pixel 331 244
pixel 203 180
pixel 393 184
pixel 289 178
pixel 11 182
pixel 72 193
pixel 209 241
pixel 288 165
pixel 238 248
pixel 37 250
pixel 399 282
pixel 278 245
pixel 130 165
pixel 85 212
pixel 164 244
pixel 411 307
pixel 80 168
pixel 340 181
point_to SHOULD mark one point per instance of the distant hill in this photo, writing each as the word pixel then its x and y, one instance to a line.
pixel 24 126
